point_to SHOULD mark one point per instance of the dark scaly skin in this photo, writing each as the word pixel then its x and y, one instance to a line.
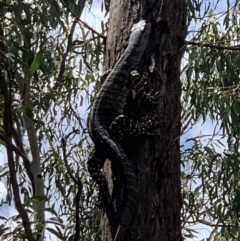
pixel 108 105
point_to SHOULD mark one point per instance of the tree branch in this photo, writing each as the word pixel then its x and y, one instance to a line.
pixel 8 129
pixel 237 47
pixel 19 151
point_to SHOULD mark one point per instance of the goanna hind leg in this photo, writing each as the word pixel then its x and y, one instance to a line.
pixel 95 164
pixel 123 127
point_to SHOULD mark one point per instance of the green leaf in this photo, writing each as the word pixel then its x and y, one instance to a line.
pixel 37 198
pixel 57 234
pixel 28 112
pixel 37 62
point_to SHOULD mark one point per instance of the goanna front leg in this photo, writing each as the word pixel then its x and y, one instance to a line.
pixel 95 165
pixel 139 84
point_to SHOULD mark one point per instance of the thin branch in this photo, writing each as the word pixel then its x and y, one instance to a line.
pixel 77 216
pixel 78 182
pixel 202 221
pixel 69 47
pixel 84 23
pixel 69 171
pixel 237 47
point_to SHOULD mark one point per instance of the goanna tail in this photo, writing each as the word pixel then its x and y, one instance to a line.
pixel 130 195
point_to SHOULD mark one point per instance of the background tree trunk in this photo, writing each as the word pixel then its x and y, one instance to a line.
pixel 156 159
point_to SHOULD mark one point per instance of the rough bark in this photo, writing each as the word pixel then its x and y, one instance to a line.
pixel 156 159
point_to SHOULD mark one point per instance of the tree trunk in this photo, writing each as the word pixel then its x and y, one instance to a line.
pixel 156 159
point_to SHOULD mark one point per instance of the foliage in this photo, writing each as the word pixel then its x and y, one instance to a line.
pixel 51 59
pixel 211 95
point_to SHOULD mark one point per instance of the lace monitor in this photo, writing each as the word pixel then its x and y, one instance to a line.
pixel 108 106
